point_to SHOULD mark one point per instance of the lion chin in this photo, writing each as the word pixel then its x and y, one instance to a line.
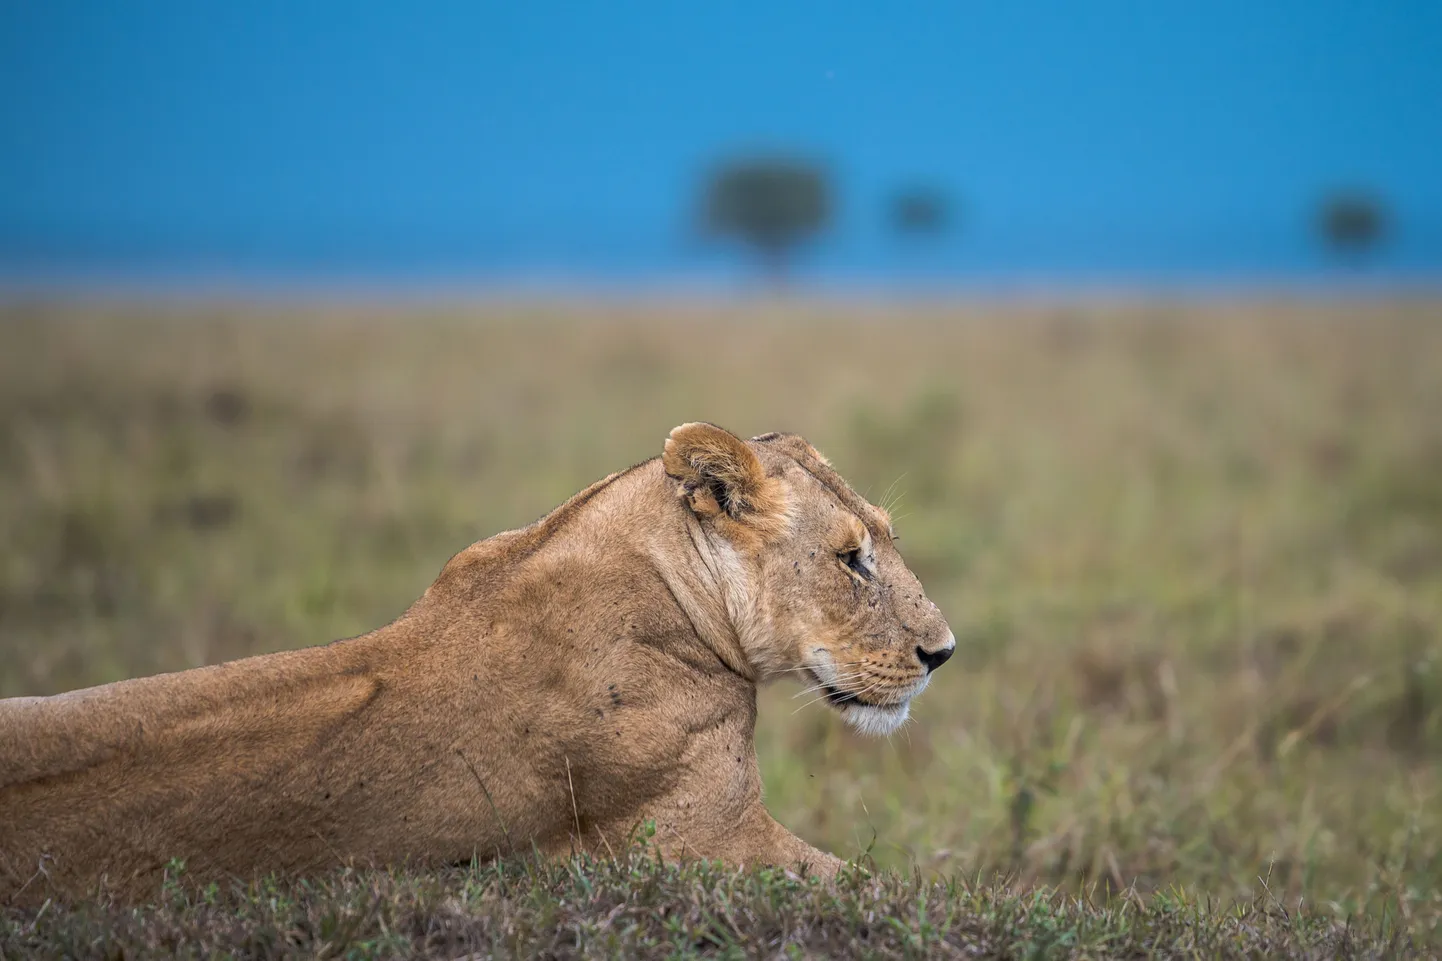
pixel 876 721
pixel 554 689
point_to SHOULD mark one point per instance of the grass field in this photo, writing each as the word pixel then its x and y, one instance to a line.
pixel 1192 554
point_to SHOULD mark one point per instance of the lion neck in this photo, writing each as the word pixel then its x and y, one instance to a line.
pixel 635 513
pixel 701 570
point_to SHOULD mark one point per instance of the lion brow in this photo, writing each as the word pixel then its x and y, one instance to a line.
pixel 871 516
pixel 809 459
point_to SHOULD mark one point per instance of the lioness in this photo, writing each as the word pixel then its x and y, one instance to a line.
pixel 556 686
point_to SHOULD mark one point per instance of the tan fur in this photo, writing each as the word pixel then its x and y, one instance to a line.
pixel 556 686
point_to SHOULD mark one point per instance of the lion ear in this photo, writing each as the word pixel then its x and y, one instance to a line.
pixel 719 475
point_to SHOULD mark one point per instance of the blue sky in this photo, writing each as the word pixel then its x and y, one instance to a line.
pixel 499 139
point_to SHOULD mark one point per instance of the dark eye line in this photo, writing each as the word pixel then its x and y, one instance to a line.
pixel 852 559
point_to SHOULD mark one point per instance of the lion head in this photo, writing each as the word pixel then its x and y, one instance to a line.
pixel 814 585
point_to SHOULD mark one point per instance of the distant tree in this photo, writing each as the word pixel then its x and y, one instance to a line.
pixel 920 211
pixel 1352 222
pixel 769 203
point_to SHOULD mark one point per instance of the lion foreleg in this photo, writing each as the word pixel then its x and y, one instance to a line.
pixel 693 829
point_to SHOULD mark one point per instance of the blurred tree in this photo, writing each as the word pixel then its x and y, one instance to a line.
pixel 771 203
pixel 1351 222
pixel 920 210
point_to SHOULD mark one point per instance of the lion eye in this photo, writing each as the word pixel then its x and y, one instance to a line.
pixel 853 560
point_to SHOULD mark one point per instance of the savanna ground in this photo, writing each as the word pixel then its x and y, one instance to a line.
pixel 1192 555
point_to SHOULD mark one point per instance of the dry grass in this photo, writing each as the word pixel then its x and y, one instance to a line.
pixel 1192 555
pixel 640 907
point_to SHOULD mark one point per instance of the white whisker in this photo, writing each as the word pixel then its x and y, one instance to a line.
pixel 816 687
pixel 808 704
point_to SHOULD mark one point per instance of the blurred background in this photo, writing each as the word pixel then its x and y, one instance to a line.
pixel 1131 311
pixel 514 145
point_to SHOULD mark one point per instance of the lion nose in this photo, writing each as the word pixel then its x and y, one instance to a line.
pixel 931 660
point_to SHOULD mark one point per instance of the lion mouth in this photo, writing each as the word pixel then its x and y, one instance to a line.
pixel 869 717
pixel 839 698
